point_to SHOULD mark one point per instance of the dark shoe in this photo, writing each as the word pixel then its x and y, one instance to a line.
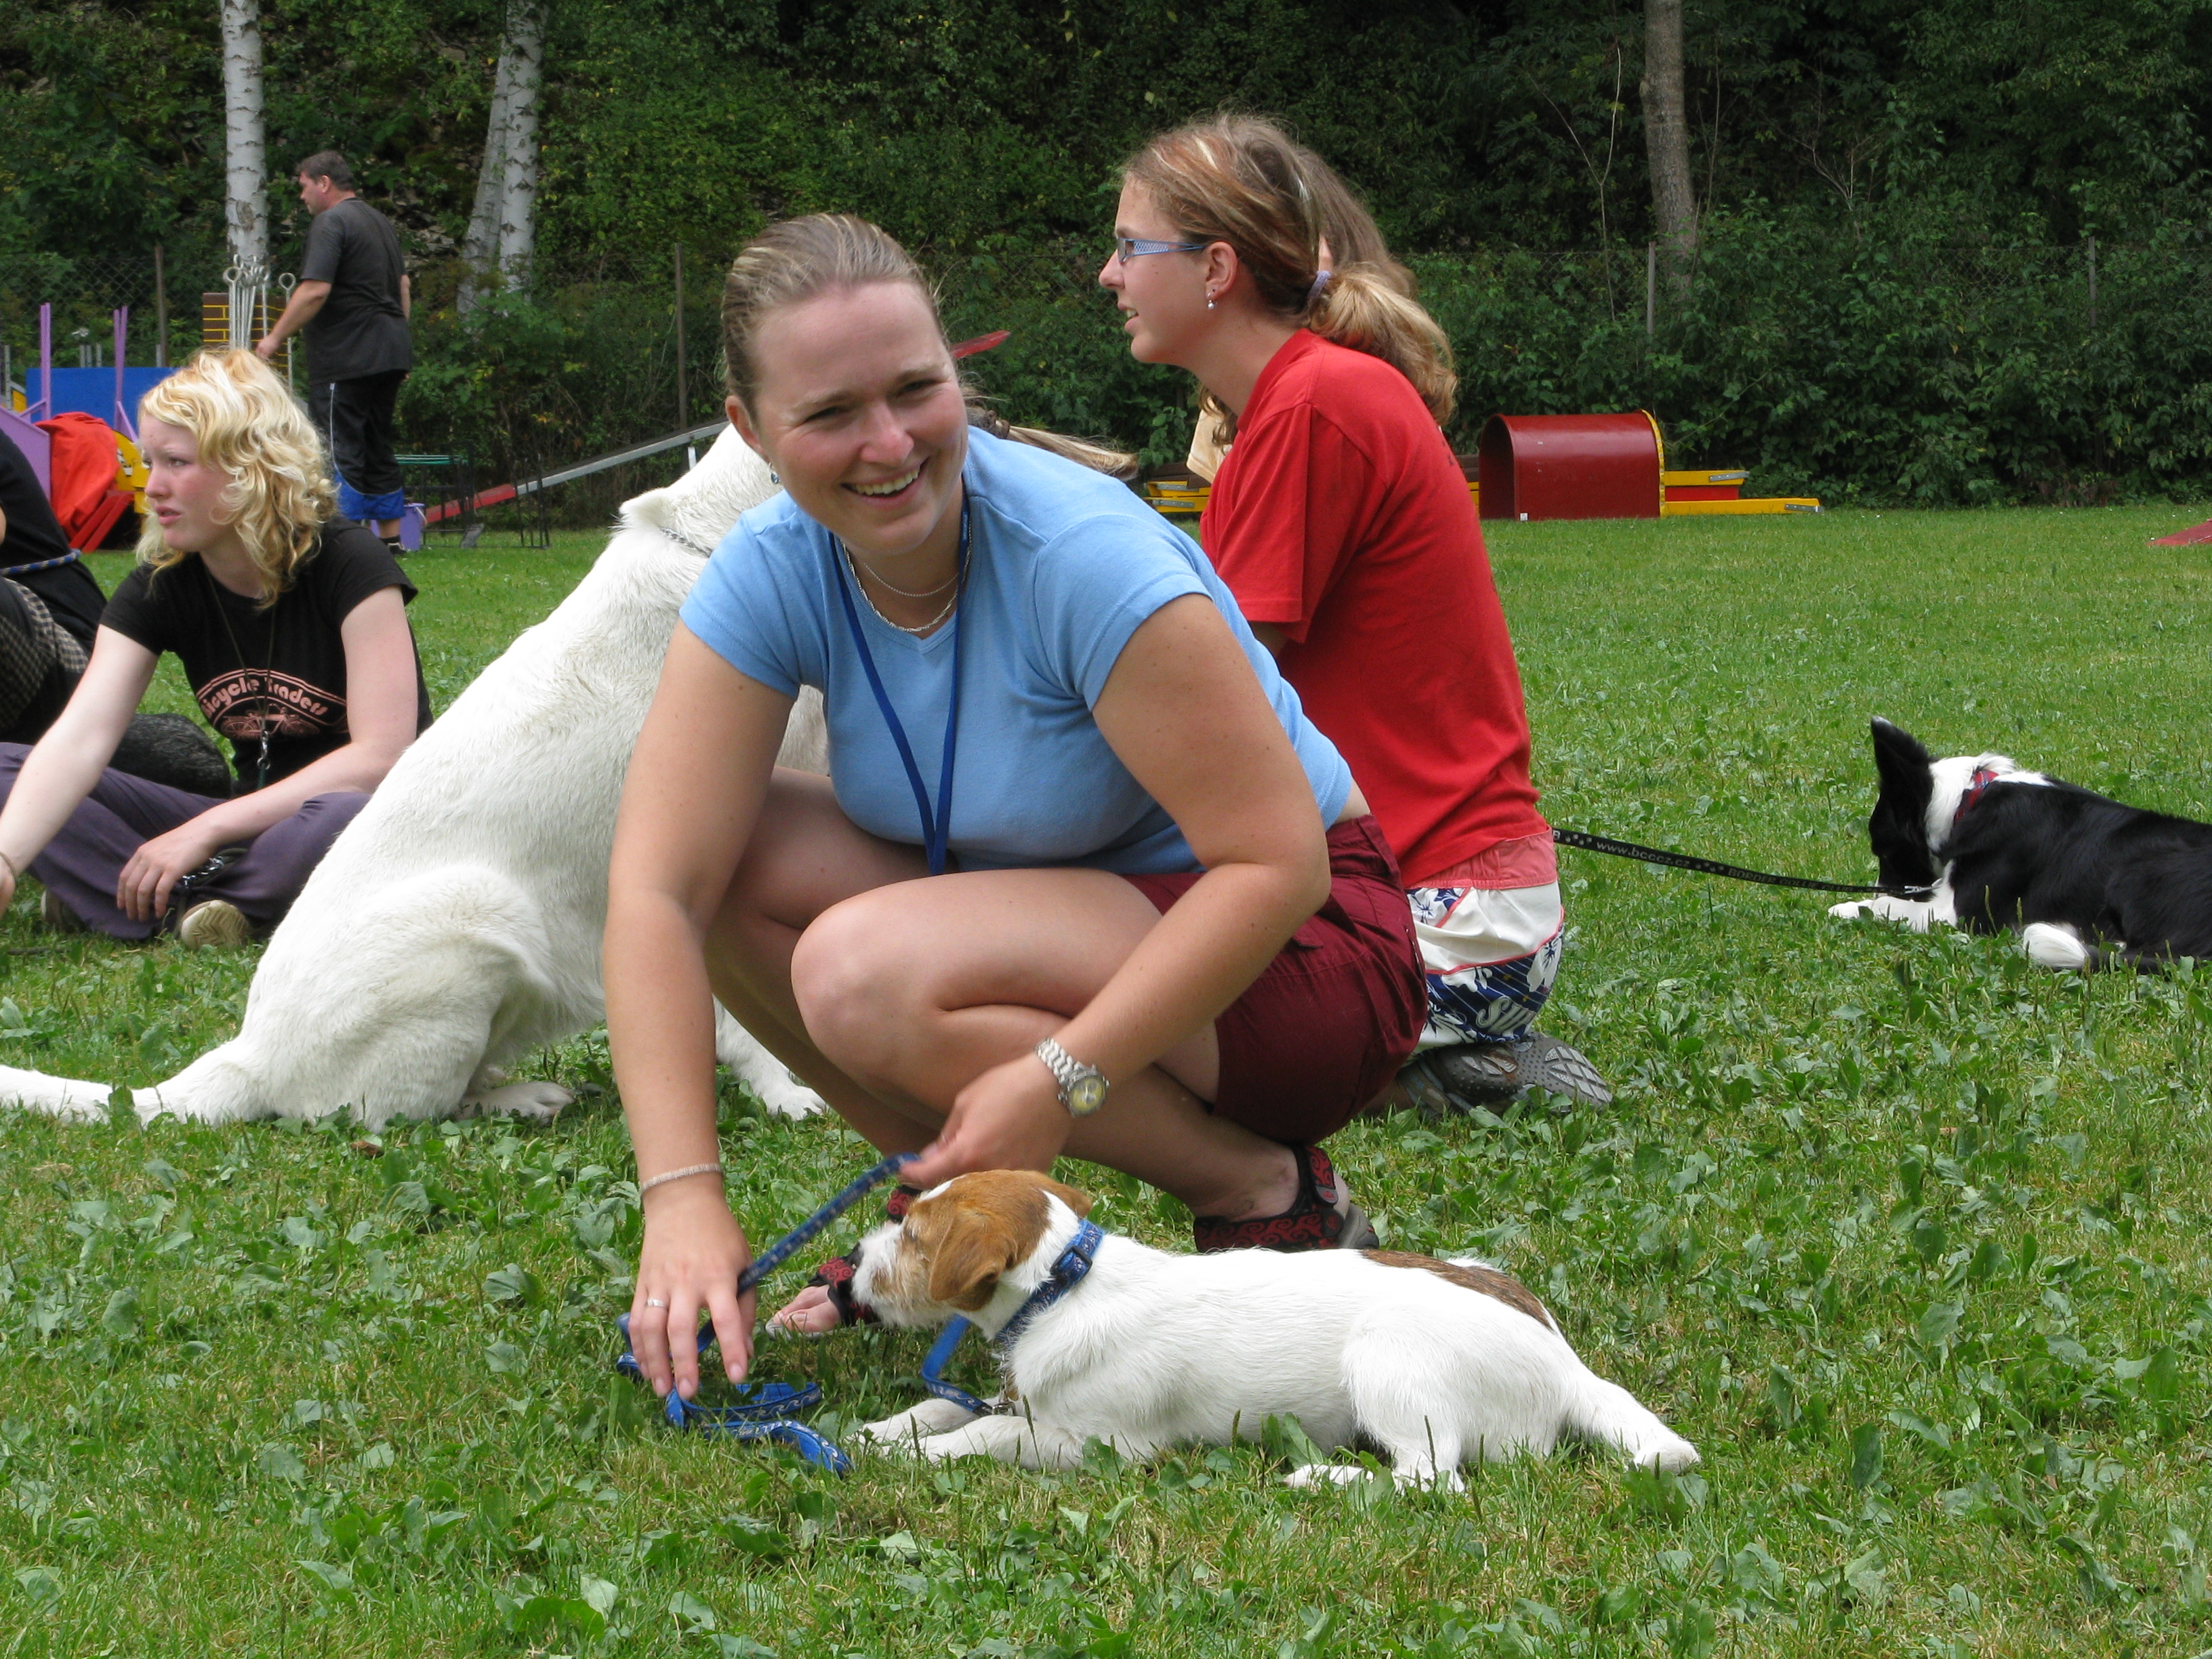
pixel 58 915
pixel 1491 1075
pixel 1322 1217
pixel 835 1275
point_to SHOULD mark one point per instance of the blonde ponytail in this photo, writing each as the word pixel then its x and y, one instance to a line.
pixel 1242 181
pixel 1358 310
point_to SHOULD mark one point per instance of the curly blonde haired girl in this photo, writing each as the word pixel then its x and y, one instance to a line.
pixel 292 627
pixel 248 426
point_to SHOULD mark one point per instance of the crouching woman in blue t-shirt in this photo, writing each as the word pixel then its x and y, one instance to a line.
pixel 1082 880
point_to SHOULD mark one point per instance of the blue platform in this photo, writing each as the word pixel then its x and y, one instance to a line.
pixel 92 391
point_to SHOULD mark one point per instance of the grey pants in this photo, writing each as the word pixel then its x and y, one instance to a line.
pixel 81 863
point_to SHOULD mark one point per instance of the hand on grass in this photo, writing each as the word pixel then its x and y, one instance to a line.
pixel 1009 1118
pixel 693 1252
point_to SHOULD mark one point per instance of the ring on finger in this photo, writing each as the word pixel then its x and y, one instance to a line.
pixel 655 1302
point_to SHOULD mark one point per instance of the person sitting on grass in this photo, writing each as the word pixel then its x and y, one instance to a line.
pixel 292 628
pixel 49 604
pixel 1342 523
pixel 1083 880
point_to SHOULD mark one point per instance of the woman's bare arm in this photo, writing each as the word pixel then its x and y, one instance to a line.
pixel 696 780
pixel 61 770
pixel 381 708
pixel 1185 714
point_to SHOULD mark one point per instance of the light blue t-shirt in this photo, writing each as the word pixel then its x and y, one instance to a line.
pixel 1064 565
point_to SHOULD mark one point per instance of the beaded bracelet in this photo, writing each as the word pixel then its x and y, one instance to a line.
pixel 645 1187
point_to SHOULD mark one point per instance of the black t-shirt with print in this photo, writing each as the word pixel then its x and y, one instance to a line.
pixel 282 669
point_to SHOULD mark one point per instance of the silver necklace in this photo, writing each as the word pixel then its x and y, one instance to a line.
pixel 926 594
pixel 920 628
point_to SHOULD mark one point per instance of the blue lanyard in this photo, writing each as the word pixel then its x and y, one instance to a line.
pixel 936 829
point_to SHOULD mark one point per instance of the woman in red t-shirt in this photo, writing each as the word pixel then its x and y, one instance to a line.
pixel 1342 523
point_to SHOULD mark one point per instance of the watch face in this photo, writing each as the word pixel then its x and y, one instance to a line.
pixel 1086 1094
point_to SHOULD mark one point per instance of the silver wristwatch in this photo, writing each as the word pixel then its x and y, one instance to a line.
pixel 1082 1088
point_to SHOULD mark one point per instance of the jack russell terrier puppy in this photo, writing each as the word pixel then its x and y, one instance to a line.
pixel 1431 1362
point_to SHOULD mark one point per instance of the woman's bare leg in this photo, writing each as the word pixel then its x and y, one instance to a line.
pixel 889 994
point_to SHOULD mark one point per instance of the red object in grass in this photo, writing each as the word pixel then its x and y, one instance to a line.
pixel 2189 537
pixel 981 343
pixel 1569 466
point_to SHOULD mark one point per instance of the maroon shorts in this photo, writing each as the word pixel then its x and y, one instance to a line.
pixel 1331 1020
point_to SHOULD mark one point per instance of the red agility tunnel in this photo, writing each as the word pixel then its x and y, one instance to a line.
pixel 1569 466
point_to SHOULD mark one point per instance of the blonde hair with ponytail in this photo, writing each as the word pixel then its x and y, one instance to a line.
pixel 1242 181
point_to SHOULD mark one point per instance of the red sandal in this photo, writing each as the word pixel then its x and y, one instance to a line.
pixel 1322 1217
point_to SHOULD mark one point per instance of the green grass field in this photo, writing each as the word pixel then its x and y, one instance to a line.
pixel 1910 1240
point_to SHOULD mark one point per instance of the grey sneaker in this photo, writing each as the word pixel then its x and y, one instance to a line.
pixel 214 922
pixel 58 915
pixel 1492 1074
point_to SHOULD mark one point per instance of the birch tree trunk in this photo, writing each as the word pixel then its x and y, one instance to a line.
pixel 518 219
pixel 480 249
pixel 1667 140
pixel 246 181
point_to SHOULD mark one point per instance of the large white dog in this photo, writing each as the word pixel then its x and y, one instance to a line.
pixel 456 923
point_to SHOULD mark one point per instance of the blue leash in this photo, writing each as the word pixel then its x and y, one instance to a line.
pixel 767 1411
pixel 1068 1272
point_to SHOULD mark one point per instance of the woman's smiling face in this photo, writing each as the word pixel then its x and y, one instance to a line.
pixel 857 406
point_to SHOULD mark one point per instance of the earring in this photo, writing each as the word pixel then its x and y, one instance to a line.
pixel 1209 302
pixel 772 478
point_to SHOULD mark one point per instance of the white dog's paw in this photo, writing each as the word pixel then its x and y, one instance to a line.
pixel 1326 1474
pixel 61 1097
pixel 537 1103
pixel 793 1099
pixel 926 1421
pixel 1851 911
pixel 2055 945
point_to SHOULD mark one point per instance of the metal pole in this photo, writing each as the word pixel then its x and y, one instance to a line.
pixel 2093 285
pixel 160 310
pixel 1650 288
pixel 680 365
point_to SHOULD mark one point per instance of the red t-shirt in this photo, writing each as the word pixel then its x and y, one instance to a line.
pixel 1341 518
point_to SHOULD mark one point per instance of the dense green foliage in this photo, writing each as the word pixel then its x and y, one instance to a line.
pixel 1908 1237
pixel 1852 161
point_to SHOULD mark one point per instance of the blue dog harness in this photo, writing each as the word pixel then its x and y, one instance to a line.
pixel 1068 1272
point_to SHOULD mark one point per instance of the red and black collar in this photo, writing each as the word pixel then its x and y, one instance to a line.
pixel 1977 786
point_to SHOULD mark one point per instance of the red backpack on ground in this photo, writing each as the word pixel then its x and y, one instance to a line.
pixel 82 485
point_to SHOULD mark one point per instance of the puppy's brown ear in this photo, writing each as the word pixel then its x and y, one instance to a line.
pixel 971 1255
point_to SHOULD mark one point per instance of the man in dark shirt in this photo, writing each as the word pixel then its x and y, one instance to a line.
pixel 351 307
pixel 49 604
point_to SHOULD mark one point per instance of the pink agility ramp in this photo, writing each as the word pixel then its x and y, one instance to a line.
pixel 2189 537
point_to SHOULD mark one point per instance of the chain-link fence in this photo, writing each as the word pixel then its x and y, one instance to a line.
pixel 1912 373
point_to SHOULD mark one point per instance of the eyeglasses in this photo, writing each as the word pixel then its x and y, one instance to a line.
pixel 1127 248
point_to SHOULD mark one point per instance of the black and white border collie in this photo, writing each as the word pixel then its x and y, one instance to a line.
pixel 2088 882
